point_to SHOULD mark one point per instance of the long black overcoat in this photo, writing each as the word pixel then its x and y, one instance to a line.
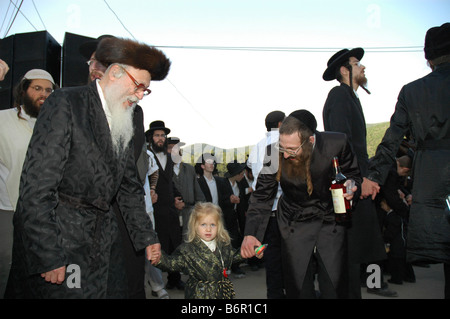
pixel 423 109
pixel 64 215
pixel 167 221
pixel 343 113
pixel 305 221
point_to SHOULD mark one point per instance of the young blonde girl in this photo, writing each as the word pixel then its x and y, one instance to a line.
pixel 206 256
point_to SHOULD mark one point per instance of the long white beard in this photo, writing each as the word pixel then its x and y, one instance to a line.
pixel 121 125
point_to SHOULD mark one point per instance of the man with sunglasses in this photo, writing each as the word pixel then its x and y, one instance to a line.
pixel 16 127
pixel 343 113
pixel 80 159
pixel 311 240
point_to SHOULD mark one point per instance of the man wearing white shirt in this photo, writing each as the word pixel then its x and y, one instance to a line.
pixel 258 157
pixel 16 127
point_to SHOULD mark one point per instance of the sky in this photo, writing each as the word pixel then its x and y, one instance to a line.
pixel 234 61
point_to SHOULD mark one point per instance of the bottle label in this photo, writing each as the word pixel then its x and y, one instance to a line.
pixel 338 201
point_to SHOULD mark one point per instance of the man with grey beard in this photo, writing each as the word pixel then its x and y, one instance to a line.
pixel 311 239
pixel 66 239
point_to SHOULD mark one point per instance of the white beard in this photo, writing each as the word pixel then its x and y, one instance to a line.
pixel 121 125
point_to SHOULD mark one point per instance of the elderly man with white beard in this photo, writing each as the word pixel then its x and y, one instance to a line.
pixel 66 239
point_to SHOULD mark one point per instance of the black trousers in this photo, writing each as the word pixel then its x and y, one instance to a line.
pixel 326 288
pixel 272 261
pixel 134 261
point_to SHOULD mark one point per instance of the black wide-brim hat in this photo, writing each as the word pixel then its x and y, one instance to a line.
pixel 89 47
pixel 157 125
pixel 175 141
pixel 338 59
pixel 437 42
pixel 234 168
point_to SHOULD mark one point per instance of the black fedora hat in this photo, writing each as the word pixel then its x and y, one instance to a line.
pixel 175 140
pixel 89 47
pixel 338 59
pixel 157 125
pixel 234 168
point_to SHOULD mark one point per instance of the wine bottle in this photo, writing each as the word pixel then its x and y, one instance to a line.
pixel 342 207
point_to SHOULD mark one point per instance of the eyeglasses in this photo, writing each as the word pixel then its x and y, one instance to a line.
pixel 139 86
pixel 40 89
pixel 291 153
pixel 160 135
pixel 93 61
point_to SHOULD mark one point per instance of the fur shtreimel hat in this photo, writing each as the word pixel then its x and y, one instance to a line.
pixel 437 42
pixel 138 55
pixel 306 117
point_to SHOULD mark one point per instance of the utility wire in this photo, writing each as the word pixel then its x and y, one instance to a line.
pixel 11 17
pixel 18 10
pixel 24 16
pixel 178 91
pixel 45 28
pixel 6 15
pixel 294 49
pixel 120 20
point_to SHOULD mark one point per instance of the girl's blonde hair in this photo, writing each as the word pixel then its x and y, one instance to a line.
pixel 199 211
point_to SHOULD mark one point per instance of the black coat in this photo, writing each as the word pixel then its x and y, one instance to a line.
pixel 423 109
pixel 64 216
pixel 230 211
pixel 167 222
pixel 343 113
pixel 205 189
pixel 305 221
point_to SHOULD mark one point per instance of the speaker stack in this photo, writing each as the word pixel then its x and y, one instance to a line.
pixel 39 50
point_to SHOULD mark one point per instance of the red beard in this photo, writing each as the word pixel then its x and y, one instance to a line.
pixel 297 168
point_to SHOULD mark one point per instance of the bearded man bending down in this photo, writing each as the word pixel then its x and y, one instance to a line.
pixel 311 239
pixel 80 158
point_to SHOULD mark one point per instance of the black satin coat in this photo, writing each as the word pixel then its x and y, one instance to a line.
pixel 64 216
pixel 423 109
pixel 305 221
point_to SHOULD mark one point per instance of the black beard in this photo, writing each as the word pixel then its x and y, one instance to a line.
pixel 159 149
pixel 30 107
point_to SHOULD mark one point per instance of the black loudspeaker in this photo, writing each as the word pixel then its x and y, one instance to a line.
pixel 75 70
pixel 34 50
